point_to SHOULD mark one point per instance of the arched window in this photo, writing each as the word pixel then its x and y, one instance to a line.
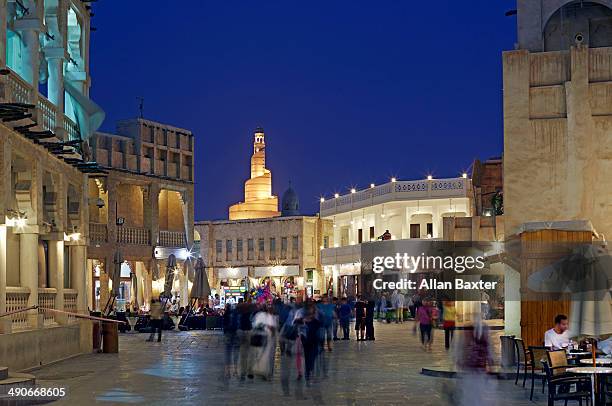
pixel 579 22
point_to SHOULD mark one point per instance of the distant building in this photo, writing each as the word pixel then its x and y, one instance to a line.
pixel 258 199
pixel 143 208
pixel 260 245
pixel 407 209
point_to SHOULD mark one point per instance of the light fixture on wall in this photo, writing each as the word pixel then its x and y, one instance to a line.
pixel 353 190
pixel 464 175
pixel 429 177
pixel 336 195
pixel 393 179
pixel 372 185
pixel 322 199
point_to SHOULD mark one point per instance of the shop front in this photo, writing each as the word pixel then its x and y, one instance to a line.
pixel 283 281
pixel 346 278
pixel 233 283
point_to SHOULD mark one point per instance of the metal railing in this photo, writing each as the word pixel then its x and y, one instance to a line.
pixel 133 235
pixel 98 232
pixel 17 299
pixel 46 299
pixel 171 238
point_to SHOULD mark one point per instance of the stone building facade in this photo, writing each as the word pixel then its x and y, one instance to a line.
pixel 557 144
pixel 558 115
pixel 249 252
pixel 143 209
pixel 47 118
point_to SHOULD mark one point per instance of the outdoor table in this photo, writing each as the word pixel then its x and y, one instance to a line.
pixel 593 371
pixel 599 361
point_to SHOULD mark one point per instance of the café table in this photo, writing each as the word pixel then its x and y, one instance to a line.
pixel 598 361
pixel 593 372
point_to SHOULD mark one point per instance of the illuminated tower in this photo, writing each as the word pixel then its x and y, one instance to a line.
pixel 258 199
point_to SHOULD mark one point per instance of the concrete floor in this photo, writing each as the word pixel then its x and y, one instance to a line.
pixel 187 368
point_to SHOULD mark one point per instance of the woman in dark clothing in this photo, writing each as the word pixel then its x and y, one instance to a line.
pixel 369 320
pixel 311 338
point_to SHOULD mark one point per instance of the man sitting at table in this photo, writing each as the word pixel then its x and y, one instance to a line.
pixel 558 337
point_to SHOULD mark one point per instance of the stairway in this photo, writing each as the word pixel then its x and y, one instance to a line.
pixel 17 380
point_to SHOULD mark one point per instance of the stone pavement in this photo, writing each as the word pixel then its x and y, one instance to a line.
pixel 187 368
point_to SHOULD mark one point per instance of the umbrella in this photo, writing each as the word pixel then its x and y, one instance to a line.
pixel 169 279
pixel 134 280
pixel 115 274
pixel 587 275
pixel 200 288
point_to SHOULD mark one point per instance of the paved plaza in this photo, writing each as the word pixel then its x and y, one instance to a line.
pixel 187 368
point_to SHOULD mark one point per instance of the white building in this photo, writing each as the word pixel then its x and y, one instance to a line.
pixel 407 209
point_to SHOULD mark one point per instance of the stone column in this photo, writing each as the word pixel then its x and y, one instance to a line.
pixel 55 87
pixel 3 8
pixel 5 322
pixel 56 277
pixel 78 268
pixel 28 272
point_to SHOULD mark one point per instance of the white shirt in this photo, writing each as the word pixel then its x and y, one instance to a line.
pixel 555 340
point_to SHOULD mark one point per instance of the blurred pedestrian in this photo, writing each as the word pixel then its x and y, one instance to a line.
pixel 232 344
pixel 156 313
pixel 360 315
pixel 244 312
pixel 425 320
pixel 344 317
pixel 335 321
pixel 369 320
pixel 448 321
pixel 263 341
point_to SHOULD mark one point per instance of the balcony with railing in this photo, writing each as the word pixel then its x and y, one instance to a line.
pixel 397 191
pixel 46 300
pixel 133 235
pixel 171 238
pixel 20 91
pixel 17 299
pixel 70 303
pixel 98 232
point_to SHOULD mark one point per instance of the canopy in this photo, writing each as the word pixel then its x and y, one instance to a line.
pixel 134 280
pixel 200 288
pixel 587 275
pixel 89 115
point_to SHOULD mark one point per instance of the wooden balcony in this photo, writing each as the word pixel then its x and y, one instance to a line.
pixel 171 238
pixel 98 232
pixel 133 235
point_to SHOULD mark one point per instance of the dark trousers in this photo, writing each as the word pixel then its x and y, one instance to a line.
pixel 369 328
pixel 448 336
pixel 425 333
pixel 345 328
pixel 311 350
pixel 156 325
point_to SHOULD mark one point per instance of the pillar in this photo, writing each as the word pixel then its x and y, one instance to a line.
pixel 55 88
pixel 140 277
pixel 28 273
pixel 78 268
pixel 3 9
pixel 5 322
pixel 56 277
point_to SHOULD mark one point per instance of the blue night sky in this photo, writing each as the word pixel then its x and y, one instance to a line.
pixel 348 92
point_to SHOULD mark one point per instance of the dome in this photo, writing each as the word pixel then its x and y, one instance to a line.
pixel 290 203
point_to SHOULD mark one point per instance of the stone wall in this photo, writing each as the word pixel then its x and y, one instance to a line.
pixel 558 137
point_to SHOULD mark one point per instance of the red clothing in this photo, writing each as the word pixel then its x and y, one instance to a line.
pixel 424 315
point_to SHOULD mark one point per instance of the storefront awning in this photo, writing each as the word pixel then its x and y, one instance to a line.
pixel 233 273
pixel 279 270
